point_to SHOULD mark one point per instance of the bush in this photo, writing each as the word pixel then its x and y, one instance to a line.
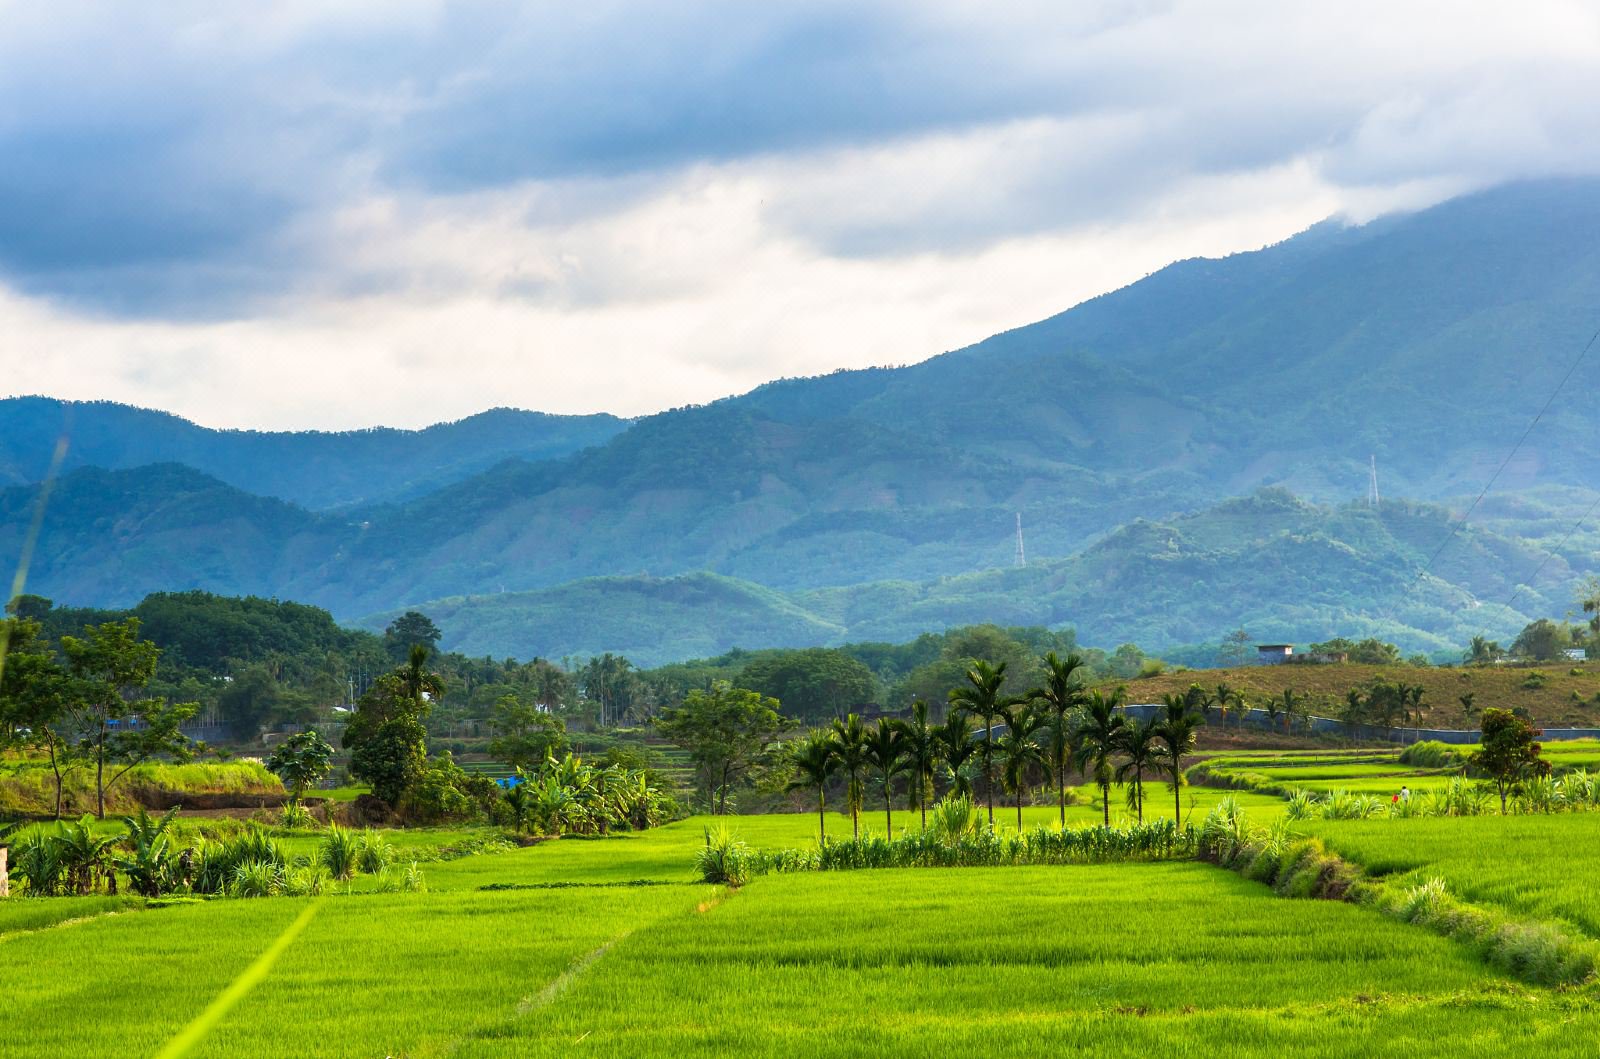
pixel 723 859
pixel 1430 753
pixel 339 853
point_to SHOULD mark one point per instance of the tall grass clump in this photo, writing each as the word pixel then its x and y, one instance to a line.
pixel 724 859
pixel 1430 754
pixel 340 853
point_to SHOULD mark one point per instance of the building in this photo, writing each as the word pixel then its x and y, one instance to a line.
pixel 1272 654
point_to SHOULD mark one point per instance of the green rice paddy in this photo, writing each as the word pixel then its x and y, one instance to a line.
pixel 612 947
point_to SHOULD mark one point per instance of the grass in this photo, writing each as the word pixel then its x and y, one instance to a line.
pixel 1531 866
pixel 1324 687
pixel 610 947
pixel 1172 959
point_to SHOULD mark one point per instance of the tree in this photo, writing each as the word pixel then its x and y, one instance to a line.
pixel 301 761
pixel 850 747
pixel 1482 652
pixel 1140 745
pixel 956 748
pixel 1290 706
pixel 1509 751
pixel 981 697
pixel 1019 750
pixel 727 731
pixel 527 733
pixel 249 701
pixel 109 666
pixel 1235 649
pixel 814 764
pixel 409 630
pixel 813 685
pixel 884 750
pixel 1099 736
pixel 386 738
pixel 1177 729
pixel 607 682
pixel 35 695
pixel 920 744
pixel 1061 695
pixel 1542 641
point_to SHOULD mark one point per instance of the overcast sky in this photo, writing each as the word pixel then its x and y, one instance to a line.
pixel 337 215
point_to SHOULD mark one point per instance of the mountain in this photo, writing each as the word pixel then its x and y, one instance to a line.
pixel 884 501
pixel 315 469
pixel 1280 567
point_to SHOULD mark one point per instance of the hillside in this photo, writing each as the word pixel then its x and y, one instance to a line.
pixel 650 620
pixel 884 501
pixel 1281 567
pixel 1569 697
pixel 315 469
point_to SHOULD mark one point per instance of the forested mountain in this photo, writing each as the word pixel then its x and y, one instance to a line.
pixel 315 469
pixel 1278 566
pixel 883 502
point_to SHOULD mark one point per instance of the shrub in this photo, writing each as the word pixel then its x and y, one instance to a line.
pixel 1430 753
pixel 339 852
pixel 373 853
pixel 724 859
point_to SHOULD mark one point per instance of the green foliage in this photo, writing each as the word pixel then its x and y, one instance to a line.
pixel 727 732
pixel 527 733
pixel 302 761
pixel 1508 752
pixel 812 685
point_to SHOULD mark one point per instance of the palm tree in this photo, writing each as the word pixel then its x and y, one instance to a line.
pixel 1140 745
pixel 1176 729
pixel 1292 705
pixel 417 679
pixel 850 747
pixel 1099 736
pixel 956 747
pixel 1019 750
pixel 920 746
pixel 884 752
pixel 981 698
pixel 1062 694
pixel 814 763
pixel 1226 696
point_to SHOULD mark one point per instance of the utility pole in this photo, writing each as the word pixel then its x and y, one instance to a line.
pixel 1022 556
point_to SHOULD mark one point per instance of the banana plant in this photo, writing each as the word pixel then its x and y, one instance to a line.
pixel 148 862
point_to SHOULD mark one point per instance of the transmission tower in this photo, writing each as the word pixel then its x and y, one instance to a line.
pixel 1372 487
pixel 1022 556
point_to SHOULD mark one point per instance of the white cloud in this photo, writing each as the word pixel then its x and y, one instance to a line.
pixel 319 217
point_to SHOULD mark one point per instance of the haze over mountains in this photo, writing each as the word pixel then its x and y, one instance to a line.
pixel 880 503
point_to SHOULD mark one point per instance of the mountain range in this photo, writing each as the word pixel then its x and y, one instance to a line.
pixel 883 502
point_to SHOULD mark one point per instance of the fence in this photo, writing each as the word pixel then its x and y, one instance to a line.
pixel 1258 718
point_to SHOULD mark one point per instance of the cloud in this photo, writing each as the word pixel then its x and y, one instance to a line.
pixel 681 200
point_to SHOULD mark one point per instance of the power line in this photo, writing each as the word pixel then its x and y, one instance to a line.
pixel 1551 554
pixel 1455 529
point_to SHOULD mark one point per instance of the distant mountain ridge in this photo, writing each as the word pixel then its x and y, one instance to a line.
pixel 1427 341
pixel 315 469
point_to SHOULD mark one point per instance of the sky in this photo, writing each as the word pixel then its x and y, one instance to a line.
pixel 325 215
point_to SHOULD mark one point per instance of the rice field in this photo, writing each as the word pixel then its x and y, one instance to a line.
pixel 1543 867
pixel 613 947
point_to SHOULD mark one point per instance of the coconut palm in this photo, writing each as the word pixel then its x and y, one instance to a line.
pixel 1061 695
pixel 920 747
pixel 956 747
pixel 814 763
pixel 1099 737
pixel 1019 750
pixel 1176 729
pixel 850 747
pixel 981 697
pixel 884 752
pixel 1140 746
pixel 1226 696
